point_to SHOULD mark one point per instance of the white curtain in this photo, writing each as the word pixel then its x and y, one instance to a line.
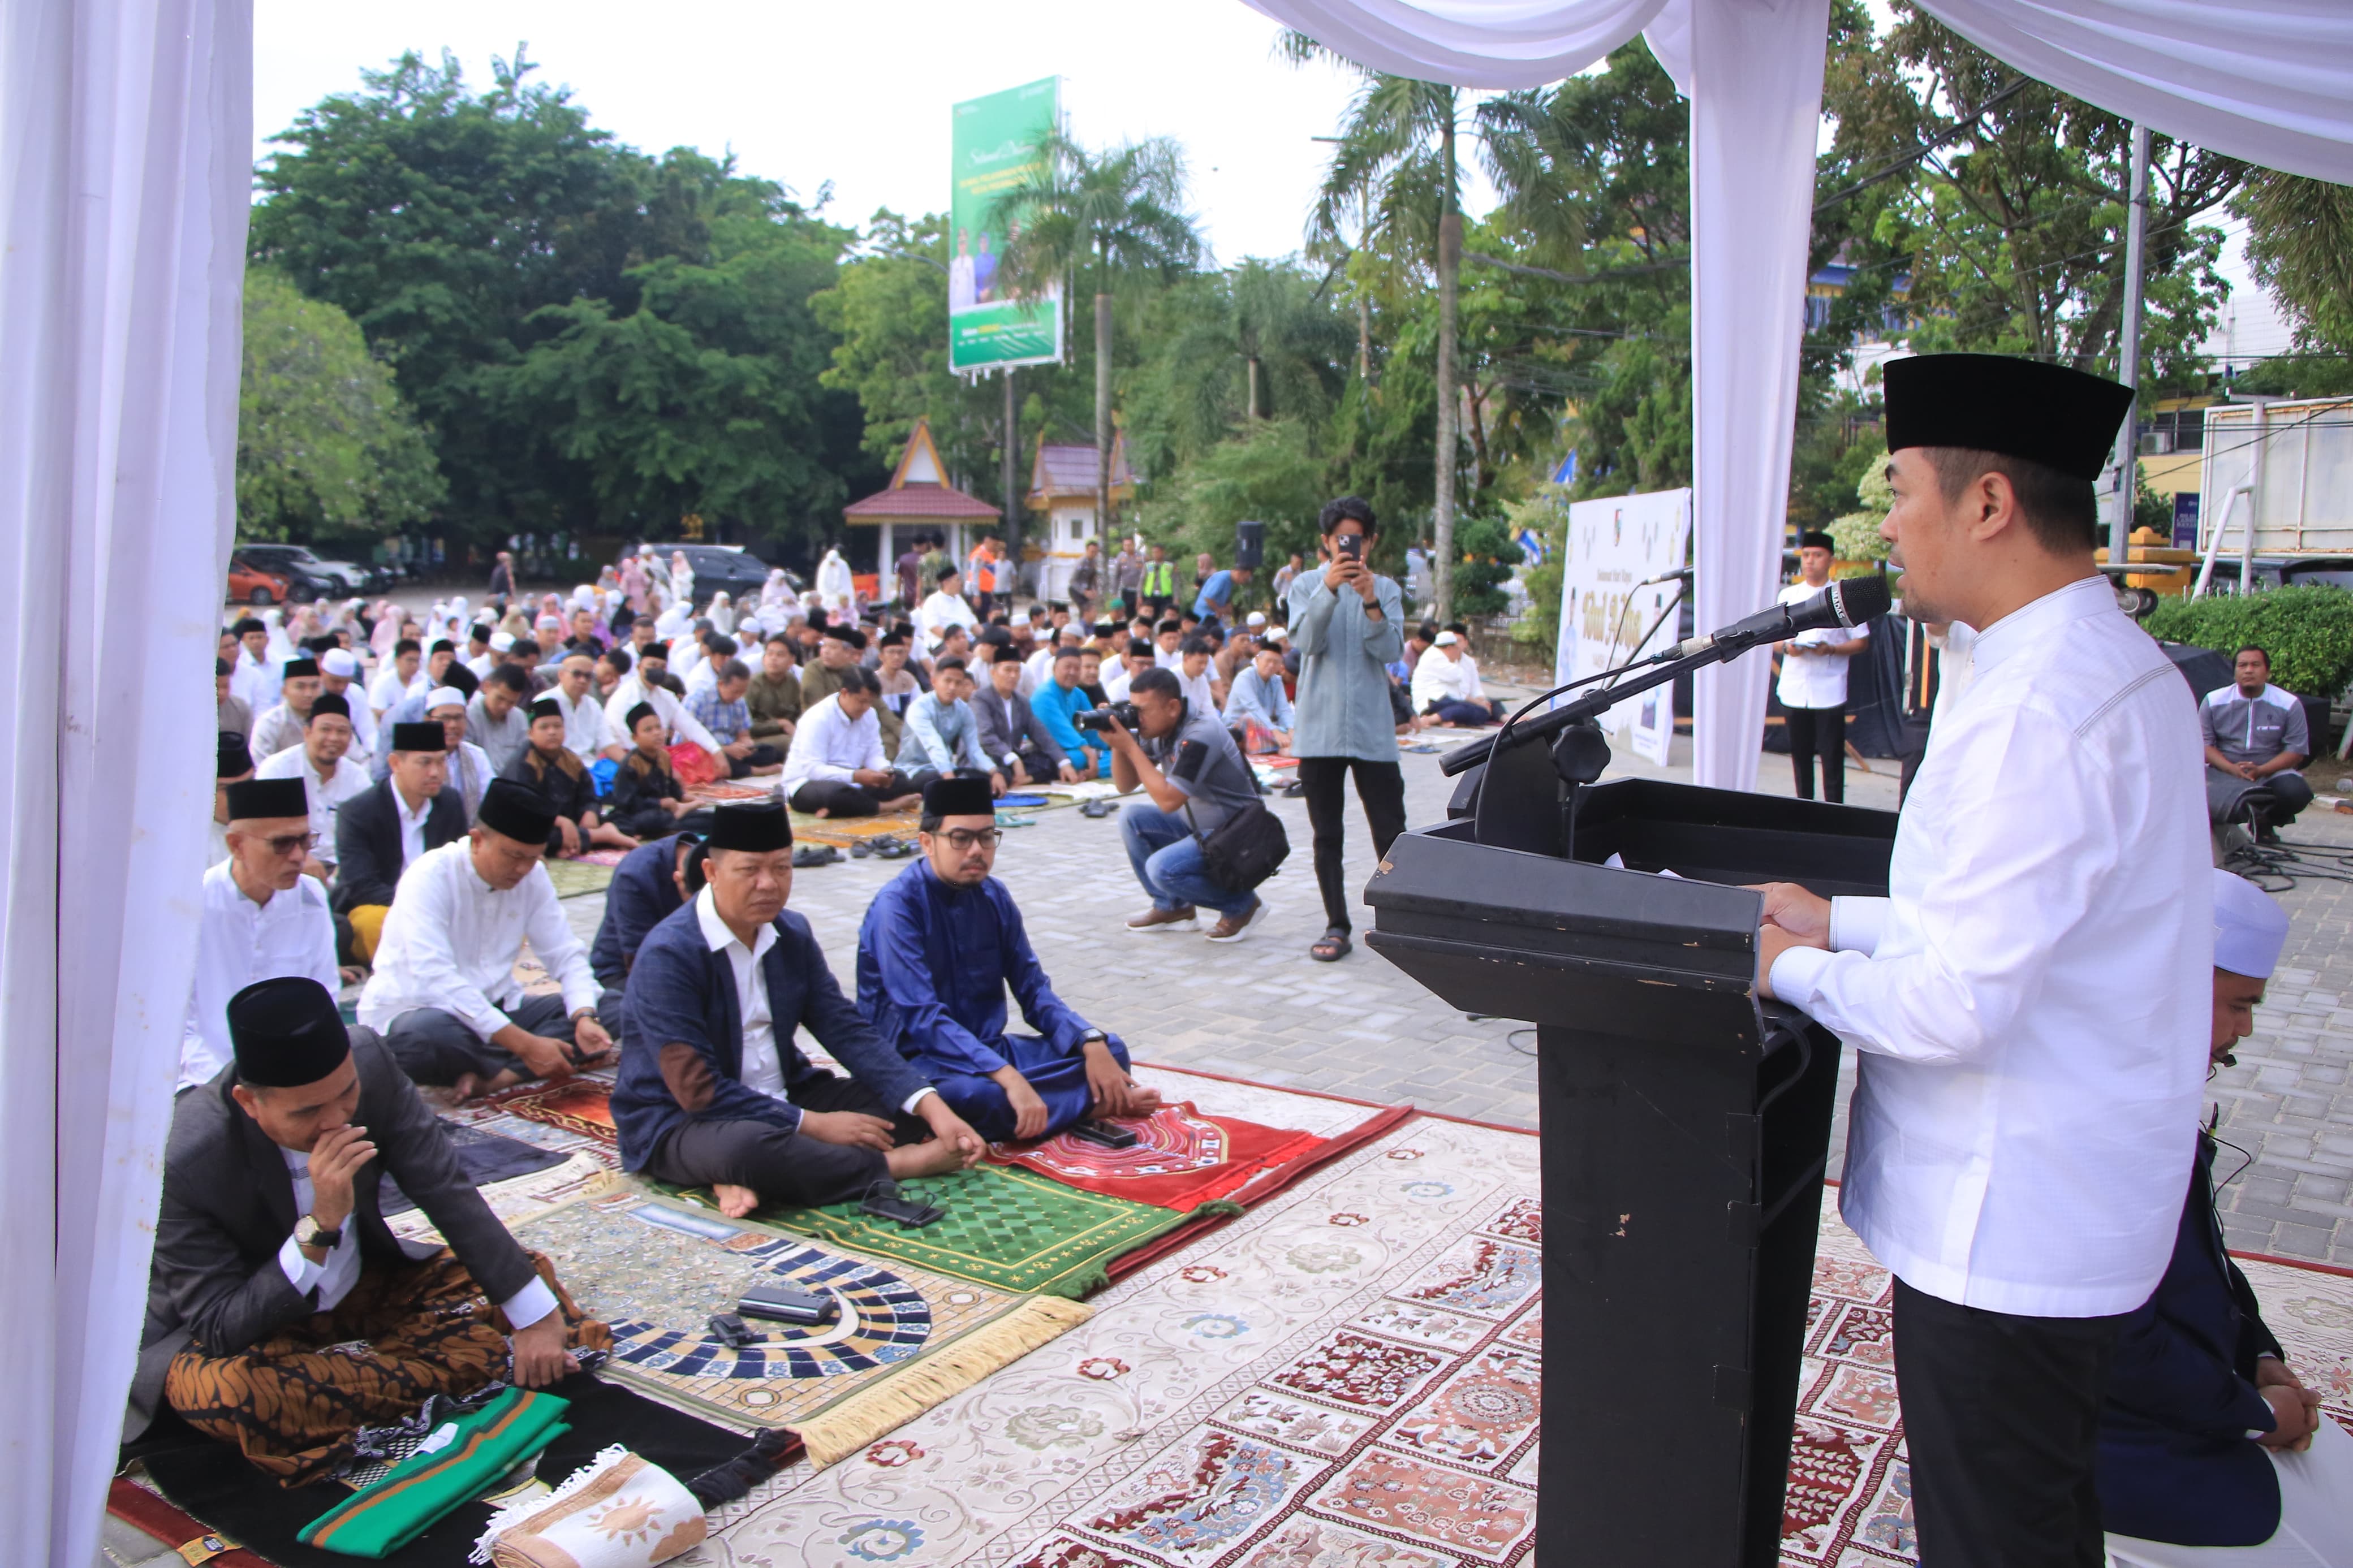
pixel 125 166
pixel 2267 81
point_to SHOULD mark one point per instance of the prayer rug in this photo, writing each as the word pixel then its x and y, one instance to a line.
pixel 192 1484
pixel 729 792
pixel 1342 1377
pixel 576 878
pixel 1006 1228
pixel 517 1197
pixel 582 1105
pixel 842 832
pixel 905 1337
pixel 485 1156
pixel 1184 1156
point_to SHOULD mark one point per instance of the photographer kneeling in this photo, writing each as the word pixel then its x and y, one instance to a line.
pixel 1187 761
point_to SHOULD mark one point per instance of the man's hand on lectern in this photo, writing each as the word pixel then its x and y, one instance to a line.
pixel 1772 942
pixel 1795 911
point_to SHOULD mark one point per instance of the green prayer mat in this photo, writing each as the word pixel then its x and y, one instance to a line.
pixel 1004 1229
pixel 457 1463
pixel 574 878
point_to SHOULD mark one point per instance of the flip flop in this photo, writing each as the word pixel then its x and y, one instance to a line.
pixel 815 855
pixel 1098 809
pixel 891 846
pixel 1008 819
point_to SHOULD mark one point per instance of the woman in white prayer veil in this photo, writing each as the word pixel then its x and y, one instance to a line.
pixel 722 614
pixel 386 631
pixel 773 594
pixel 836 589
pixel 682 578
pixel 280 647
pixel 672 621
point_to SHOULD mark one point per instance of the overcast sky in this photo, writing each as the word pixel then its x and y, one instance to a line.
pixel 805 91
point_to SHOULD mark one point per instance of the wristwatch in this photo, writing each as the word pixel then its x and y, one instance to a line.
pixel 309 1232
pixel 1095 1035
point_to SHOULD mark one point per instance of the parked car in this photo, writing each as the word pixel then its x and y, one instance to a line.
pixel 310 577
pixel 252 584
pixel 727 566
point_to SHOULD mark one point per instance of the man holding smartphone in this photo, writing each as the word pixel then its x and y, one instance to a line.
pixel 1345 623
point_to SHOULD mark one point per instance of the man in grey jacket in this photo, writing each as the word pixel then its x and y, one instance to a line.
pixel 282 1313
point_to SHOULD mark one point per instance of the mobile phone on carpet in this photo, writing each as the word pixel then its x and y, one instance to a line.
pixel 786 1304
pixel 731 1330
pixel 884 1200
pixel 1110 1135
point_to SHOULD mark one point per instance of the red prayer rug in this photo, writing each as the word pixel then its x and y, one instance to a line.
pixel 1182 1159
pixel 582 1105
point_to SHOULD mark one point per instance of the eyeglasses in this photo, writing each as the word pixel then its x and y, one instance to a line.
pixel 292 843
pixel 965 838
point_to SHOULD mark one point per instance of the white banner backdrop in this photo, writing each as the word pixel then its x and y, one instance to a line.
pixel 1615 546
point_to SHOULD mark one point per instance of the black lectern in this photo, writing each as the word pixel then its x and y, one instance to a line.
pixel 1686 1125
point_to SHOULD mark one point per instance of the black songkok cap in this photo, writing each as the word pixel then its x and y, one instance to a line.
pixel 1006 653
pixel 515 810
pixel 1815 539
pixel 461 678
pixel 478 633
pixel 2045 414
pixel 257 798
pixel 545 708
pixel 639 715
pixel 330 702
pixel 758 828
pixel 295 669
pixel 286 1032
pixel 236 761
pixel 419 737
pixel 958 796
pixel 440 645
pixel 222 666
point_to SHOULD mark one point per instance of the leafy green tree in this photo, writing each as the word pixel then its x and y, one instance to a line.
pixel 324 445
pixel 2300 241
pixel 703 395
pixel 1395 164
pixel 441 220
pixel 1268 472
pixel 1106 216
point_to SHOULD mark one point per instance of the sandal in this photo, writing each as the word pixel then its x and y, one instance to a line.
pixel 1331 947
pixel 891 846
pixel 1098 809
pixel 815 855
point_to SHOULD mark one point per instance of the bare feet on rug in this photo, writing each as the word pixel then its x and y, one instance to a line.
pixel 932 1157
pixel 902 803
pixel 451 1096
pixel 1111 1091
pixel 735 1203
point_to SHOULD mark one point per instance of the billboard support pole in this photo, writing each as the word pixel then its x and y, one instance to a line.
pixel 1012 502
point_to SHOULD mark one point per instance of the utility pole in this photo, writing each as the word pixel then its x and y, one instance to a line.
pixel 1006 476
pixel 1449 264
pixel 2128 356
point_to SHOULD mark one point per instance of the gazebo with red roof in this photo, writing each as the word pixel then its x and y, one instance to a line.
pixel 918 495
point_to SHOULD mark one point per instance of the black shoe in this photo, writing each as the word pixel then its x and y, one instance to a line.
pixel 815 855
pixel 1097 809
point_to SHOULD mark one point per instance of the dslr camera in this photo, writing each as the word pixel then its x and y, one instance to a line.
pixel 1099 718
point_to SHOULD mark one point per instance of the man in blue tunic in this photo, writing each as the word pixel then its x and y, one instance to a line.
pixel 713 1088
pixel 941 944
pixel 647 887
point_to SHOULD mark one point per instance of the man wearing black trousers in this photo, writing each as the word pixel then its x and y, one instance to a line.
pixel 1813 678
pixel 2028 1004
pixel 1344 621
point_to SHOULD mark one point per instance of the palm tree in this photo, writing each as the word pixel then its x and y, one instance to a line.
pixel 1115 213
pixel 1395 155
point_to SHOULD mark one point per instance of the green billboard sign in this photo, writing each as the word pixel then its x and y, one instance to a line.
pixel 994 149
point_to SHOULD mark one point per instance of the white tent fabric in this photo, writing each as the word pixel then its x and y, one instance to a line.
pixel 125 167
pixel 2267 81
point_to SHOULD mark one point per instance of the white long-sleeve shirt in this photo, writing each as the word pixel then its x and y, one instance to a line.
pixel 941 611
pixel 828 744
pixel 451 941
pixel 333 1278
pixel 326 795
pixel 2031 999
pixel 1437 678
pixel 631 691
pixel 238 942
pixel 585 734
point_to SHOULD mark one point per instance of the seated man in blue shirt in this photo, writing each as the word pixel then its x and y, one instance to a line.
pixel 2207 1438
pixel 943 734
pixel 1257 698
pixel 1058 702
pixel 711 1089
pixel 647 889
pixel 1217 594
pixel 940 945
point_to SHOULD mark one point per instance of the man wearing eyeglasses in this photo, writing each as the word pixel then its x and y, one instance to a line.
pixel 941 944
pixel 262 920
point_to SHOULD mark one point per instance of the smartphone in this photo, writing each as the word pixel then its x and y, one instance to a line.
pixel 731 1330
pixel 787 1303
pixel 1109 1135
pixel 1351 545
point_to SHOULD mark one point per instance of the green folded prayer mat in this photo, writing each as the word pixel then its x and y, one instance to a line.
pixel 457 1463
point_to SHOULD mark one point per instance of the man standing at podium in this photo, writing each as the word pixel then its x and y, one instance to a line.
pixel 2029 999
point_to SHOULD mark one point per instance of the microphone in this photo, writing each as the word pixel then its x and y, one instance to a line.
pixel 1680 574
pixel 1847 603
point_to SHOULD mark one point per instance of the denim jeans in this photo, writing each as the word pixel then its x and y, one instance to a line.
pixel 1167 862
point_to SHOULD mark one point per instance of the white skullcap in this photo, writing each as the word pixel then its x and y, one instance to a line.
pixel 339 663
pixel 1447 639
pixel 2249 928
pixel 501 641
pixel 1276 634
pixel 1257 618
pixel 441 696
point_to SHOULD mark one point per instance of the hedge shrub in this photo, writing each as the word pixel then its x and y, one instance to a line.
pixel 2308 630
